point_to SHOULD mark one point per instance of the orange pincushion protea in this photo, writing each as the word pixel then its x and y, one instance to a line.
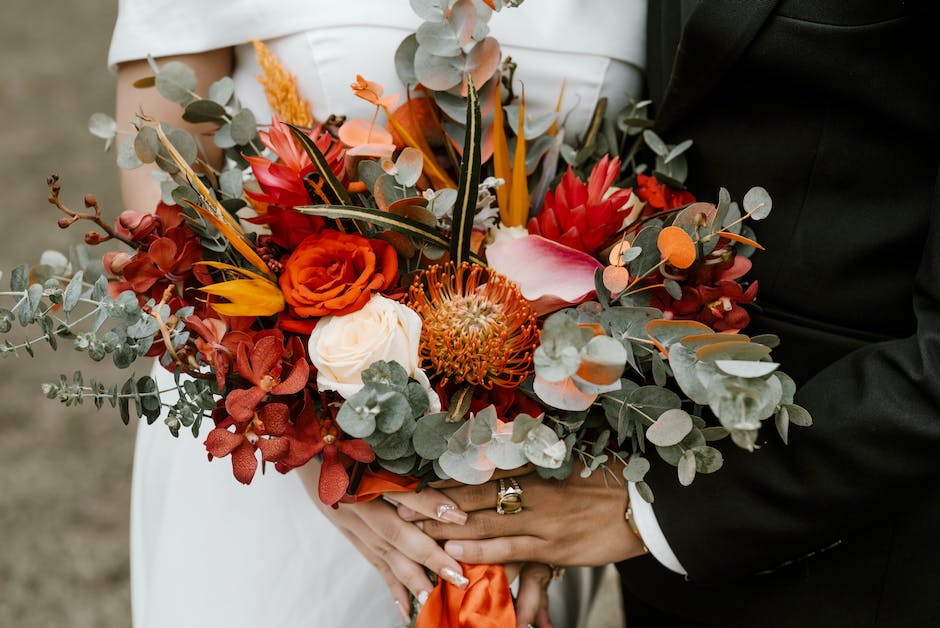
pixel 476 326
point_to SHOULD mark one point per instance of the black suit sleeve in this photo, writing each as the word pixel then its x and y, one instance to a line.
pixel 875 441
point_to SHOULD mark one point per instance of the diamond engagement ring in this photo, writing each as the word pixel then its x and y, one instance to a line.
pixel 509 499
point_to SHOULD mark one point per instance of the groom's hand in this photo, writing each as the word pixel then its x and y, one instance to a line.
pixel 578 521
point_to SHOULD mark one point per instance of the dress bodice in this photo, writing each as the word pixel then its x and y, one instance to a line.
pixel 595 46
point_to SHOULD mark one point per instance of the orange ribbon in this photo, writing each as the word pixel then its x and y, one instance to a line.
pixel 485 603
pixel 374 483
pixel 487 600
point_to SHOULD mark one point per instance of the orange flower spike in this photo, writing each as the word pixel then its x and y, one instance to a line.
pixel 501 157
pixel 280 88
pixel 552 130
pixel 676 247
pixel 519 192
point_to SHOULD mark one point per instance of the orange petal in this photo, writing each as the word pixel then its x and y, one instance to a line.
pixel 519 190
pixel 740 238
pixel 676 247
pixel 501 157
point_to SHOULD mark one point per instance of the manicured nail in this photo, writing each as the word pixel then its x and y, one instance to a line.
pixel 420 525
pixel 423 598
pixel 454 549
pixel 455 578
pixel 451 514
pixel 405 617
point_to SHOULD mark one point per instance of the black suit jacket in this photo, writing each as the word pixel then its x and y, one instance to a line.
pixel 834 107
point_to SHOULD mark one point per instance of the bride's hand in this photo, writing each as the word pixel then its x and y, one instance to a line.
pixel 396 548
pixel 578 521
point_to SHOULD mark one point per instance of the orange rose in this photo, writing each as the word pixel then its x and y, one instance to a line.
pixel 333 273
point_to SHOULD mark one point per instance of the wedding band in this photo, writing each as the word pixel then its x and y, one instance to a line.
pixel 509 499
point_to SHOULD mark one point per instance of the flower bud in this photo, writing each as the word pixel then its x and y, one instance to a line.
pixel 90 200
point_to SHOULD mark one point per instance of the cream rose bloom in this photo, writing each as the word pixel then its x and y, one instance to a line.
pixel 342 347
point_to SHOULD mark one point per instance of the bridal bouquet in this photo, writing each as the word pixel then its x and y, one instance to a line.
pixel 451 287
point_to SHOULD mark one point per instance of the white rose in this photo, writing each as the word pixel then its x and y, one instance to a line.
pixel 342 347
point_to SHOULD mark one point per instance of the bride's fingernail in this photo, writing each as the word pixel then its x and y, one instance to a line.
pixel 405 617
pixel 451 514
pixel 454 549
pixel 423 597
pixel 419 525
pixel 455 578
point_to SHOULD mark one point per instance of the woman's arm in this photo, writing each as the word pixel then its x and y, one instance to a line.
pixel 138 188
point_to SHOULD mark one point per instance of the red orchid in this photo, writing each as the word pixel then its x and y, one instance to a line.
pixel 582 215
pixel 282 182
pixel 170 256
pixel 660 196
pixel 263 431
pixel 311 435
pixel 262 363
pixel 717 306
pixel 217 345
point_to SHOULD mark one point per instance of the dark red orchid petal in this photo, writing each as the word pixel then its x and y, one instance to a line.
pixel 276 418
pixel 297 379
pixel 265 356
pixel 220 442
pixel 333 478
pixel 163 253
pixel 241 402
pixel 357 449
pixel 273 449
pixel 244 463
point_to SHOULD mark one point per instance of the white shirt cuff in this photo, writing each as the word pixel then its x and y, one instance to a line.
pixel 645 520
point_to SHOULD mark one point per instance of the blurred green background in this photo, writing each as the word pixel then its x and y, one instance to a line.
pixel 64 472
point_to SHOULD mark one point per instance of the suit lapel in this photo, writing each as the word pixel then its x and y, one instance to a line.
pixel 716 34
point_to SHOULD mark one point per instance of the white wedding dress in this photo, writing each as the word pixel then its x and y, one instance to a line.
pixel 206 551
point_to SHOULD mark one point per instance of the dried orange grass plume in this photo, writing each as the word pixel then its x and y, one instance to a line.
pixel 280 87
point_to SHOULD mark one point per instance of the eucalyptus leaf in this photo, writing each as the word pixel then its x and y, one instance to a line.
pixel 104 126
pixel 677 150
pixel 126 155
pixel 670 428
pixel 230 182
pixel 222 90
pixel 636 469
pixel 757 203
pixel 687 467
pixel 437 72
pixel 19 278
pixel 656 144
pixel 746 368
pixel 205 110
pixel 782 422
pixel 405 60
pixel 176 81
pixel 798 415
pixel 645 492
pixel 707 459
pixel 438 38
pixel 243 127
pixel 147 145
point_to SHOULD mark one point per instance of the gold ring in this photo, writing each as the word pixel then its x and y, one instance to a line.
pixel 509 499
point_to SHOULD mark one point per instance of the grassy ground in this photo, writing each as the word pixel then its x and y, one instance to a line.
pixel 64 472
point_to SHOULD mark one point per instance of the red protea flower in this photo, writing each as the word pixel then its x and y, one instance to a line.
pixel 282 182
pixel 263 363
pixel 312 434
pixel 581 215
pixel 263 431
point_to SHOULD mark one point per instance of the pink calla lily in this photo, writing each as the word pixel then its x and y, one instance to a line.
pixel 550 275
